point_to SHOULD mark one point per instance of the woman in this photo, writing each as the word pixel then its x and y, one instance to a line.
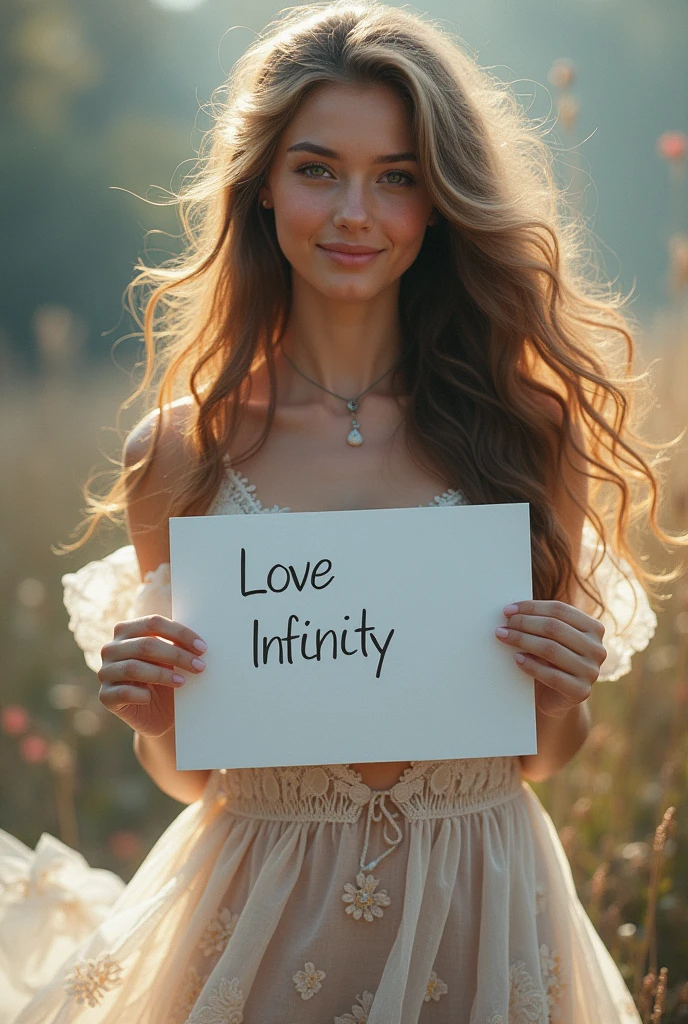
pixel 380 305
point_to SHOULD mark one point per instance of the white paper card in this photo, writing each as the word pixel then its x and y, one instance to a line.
pixel 359 636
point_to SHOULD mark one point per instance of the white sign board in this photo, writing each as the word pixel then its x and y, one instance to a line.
pixel 346 637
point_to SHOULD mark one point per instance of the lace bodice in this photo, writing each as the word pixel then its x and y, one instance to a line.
pixel 107 590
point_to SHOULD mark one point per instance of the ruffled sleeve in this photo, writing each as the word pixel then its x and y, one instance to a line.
pixel 629 624
pixel 108 590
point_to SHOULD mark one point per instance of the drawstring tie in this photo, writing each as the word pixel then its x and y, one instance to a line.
pixel 379 796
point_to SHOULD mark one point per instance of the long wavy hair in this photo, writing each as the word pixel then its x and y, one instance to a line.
pixel 498 309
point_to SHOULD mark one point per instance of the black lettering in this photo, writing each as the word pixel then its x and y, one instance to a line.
pixel 244 591
pixel 266 648
pixel 278 590
pixel 320 639
pixel 302 584
pixel 382 650
pixel 363 629
pixel 321 572
pixel 290 636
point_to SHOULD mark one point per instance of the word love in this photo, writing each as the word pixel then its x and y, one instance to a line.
pixel 280 577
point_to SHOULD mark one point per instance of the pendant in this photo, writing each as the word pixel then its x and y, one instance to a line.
pixel 354 437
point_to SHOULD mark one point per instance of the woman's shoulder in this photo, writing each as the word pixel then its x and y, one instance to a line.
pixel 149 498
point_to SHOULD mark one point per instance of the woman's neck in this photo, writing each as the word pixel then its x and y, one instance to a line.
pixel 343 346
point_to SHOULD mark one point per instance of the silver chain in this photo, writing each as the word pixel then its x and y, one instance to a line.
pixel 351 403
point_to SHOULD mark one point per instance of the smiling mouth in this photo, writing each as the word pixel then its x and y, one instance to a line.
pixel 348 258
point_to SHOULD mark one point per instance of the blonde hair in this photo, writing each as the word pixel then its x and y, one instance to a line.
pixel 497 309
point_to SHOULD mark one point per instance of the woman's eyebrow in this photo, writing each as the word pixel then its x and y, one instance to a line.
pixel 313 147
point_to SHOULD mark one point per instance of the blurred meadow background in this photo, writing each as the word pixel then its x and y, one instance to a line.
pixel 102 108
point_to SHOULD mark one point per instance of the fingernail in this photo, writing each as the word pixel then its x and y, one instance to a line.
pixel 500 631
pixel 519 658
pixel 197 663
pixel 200 645
pixel 177 679
pixel 510 609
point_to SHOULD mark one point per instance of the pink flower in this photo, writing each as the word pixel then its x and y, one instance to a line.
pixel 673 145
pixel 34 749
pixel 124 844
pixel 15 719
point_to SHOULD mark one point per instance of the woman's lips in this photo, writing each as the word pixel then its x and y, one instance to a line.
pixel 350 259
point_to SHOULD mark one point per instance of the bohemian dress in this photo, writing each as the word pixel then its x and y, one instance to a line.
pixel 299 895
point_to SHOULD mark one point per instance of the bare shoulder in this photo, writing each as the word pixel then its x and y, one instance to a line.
pixel 147 510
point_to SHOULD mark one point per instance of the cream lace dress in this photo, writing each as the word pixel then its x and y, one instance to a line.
pixel 299 895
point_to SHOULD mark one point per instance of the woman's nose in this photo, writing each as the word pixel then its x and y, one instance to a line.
pixel 353 207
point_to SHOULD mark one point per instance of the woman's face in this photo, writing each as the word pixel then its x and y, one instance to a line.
pixel 367 190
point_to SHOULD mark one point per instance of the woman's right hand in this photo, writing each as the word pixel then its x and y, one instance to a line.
pixel 136 677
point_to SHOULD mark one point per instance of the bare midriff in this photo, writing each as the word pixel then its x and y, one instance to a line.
pixel 380 774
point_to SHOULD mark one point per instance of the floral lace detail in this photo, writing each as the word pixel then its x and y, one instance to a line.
pixel 427 789
pixel 225 1005
pixel 552 979
pixel 527 1001
pixel 364 901
pixel 90 979
pixel 236 491
pixel 190 990
pixel 436 988
pixel 217 932
pixel 309 980
pixel 540 898
pixel 359 1014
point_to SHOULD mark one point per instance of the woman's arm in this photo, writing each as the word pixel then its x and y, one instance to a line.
pixel 559 739
pixel 157 756
pixel 148 525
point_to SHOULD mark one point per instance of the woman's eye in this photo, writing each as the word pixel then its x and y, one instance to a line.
pixel 406 178
pixel 311 167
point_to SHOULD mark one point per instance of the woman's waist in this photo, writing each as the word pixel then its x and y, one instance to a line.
pixel 426 789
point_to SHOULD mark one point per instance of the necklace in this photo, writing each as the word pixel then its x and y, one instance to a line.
pixel 354 437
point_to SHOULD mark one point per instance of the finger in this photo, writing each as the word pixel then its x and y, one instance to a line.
pixel 133 671
pixel 115 697
pixel 555 653
pixel 573 688
pixel 586 643
pixel 153 649
pixel 160 625
pixel 559 610
pixel 552 703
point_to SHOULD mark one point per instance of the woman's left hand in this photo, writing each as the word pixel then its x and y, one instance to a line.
pixel 560 647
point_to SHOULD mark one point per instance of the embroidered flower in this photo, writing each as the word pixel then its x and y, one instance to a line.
pixel 527 1001
pixel 496 1018
pixel 436 988
pixel 190 991
pixel 364 902
pixel 90 979
pixel 308 981
pixel 217 932
pixel 540 898
pixel 359 1014
pixel 225 1005
pixel 552 979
